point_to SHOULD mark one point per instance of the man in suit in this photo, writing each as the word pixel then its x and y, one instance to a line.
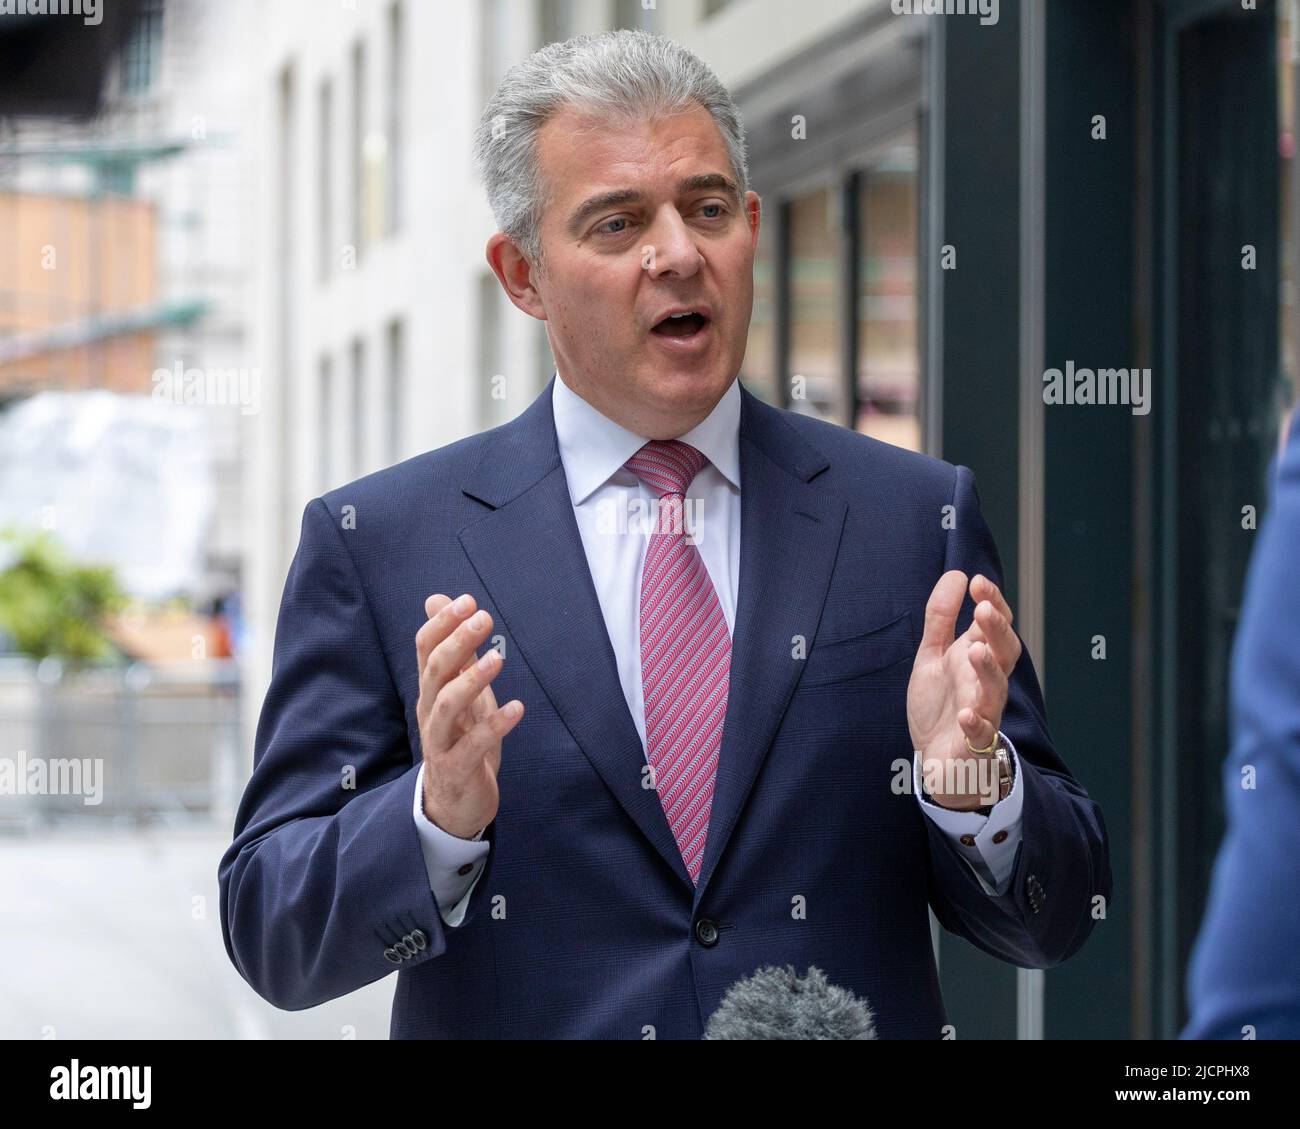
pixel 749 716
pixel 1244 976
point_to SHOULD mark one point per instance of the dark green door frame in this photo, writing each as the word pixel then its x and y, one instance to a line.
pixel 1216 180
pixel 972 363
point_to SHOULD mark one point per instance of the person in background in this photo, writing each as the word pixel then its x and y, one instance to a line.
pixel 1244 976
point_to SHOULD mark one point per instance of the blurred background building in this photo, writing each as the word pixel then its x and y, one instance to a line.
pixel 951 208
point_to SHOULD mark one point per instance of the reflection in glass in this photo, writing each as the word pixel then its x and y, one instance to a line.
pixel 759 368
pixel 814 293
pixel 888 364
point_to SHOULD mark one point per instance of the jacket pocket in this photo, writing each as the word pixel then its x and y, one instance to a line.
pixel 842 660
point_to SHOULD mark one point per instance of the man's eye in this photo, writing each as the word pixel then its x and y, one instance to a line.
pixel 606 229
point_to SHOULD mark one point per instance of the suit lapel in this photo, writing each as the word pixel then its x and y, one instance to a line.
pixel 789 535
pixel 528 552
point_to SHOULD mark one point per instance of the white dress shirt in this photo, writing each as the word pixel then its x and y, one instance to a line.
pixel 593 449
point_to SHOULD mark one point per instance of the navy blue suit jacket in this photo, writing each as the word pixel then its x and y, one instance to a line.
pixel 1245 969
pixel 584 922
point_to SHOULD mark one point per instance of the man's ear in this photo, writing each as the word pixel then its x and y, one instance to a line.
pixel 754 214
pixel 516 274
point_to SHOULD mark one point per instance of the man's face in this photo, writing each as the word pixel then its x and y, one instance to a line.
pixel 670 233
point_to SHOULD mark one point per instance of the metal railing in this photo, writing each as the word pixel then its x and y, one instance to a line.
pixel 142 742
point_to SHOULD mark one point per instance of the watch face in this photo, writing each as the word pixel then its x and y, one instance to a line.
pixel 1004 769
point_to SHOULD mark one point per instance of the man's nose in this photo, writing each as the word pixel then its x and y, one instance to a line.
pixel 671 247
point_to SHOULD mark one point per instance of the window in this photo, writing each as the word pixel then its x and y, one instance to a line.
pixel 836 298
pixel 396 390
pixel 141 55
pixel 888 362
pixel 324 171
pixel 356 425
pixel 814 365
pixel 324 425
pixel 283 322
pixel 394 124
pixel 356 150
pixel 759 371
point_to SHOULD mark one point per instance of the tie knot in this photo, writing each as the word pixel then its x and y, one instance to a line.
pixel 667 466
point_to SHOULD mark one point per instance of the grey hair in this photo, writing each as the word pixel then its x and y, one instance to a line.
pixel 626 76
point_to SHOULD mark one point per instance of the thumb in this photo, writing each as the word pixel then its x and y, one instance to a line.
pixel 941 612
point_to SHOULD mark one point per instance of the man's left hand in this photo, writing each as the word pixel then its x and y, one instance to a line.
pixel 958 690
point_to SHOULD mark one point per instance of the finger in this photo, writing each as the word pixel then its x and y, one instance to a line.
pixel 455 651
pixel 443 617
pixel 999 635
pixel 458 696
pixel 982 588
pixel 979 730
pixel 975 633
pixel 485 703
pixel 425 638
pixel 941 612
pixel 991 691
pixel 484 739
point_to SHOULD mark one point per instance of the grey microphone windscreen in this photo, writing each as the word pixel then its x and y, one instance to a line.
pixel 774 1003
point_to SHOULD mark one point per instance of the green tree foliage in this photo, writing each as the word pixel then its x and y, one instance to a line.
pixel 50 604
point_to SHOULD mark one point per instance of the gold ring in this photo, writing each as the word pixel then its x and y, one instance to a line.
pixel 982 752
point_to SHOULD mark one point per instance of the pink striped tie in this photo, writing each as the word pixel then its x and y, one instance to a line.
pixel 685 653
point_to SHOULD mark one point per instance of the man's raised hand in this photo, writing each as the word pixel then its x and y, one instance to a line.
pixel 460 725
pixel 958 688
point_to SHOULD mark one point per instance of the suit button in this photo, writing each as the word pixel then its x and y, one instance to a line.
pixel 466 869
pixel 999 837
pixel 417 938
pixel 392 955
pixel 706 933
pixel 968 840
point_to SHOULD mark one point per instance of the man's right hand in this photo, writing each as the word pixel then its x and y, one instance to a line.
pixel 460 725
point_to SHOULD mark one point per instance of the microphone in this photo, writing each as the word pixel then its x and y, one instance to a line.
pixel 775 1003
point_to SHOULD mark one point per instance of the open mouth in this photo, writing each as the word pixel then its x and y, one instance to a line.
pixel 687 325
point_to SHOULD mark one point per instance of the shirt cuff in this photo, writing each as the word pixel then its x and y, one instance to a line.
pixel 445 856
pixel 990 861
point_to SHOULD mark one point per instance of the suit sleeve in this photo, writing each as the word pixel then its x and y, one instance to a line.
pixel 324 888
pixel 1062 863
pixel 454 865
pixel 995 836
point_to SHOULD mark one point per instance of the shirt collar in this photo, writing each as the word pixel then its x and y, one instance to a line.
pixel 593 448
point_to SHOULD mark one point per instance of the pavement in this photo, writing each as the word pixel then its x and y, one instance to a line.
pixel 116 934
